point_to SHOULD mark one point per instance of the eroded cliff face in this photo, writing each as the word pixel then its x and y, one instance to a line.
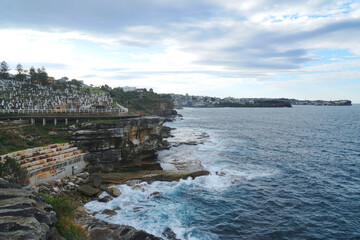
pixel 124 145
pixel 165 108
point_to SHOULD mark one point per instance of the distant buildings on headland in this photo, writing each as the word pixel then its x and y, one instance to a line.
pixel 205 101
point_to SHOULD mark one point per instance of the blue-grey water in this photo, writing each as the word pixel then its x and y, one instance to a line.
pixel 276 173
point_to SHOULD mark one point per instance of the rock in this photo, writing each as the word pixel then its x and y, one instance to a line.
pixel 100 230
pixel 94 213
pixel 169 234
pixel 72 127
pixel 105 199
pixel 117 208
pixel 83 175
pixel 96 181
pixel 71 184
pixel 113 191
pixel 24 215
pixel 155 195
pixel 79 180
pixel 88 190
pixel 109 212
pixel 133 182
pixel 56 189
pixel 52 133
pixel 137 187
pixel 58 183
pixel 137 208
pixel 221 174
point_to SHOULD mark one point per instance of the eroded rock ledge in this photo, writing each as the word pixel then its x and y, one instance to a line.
pixel 24 215
pixel 125 144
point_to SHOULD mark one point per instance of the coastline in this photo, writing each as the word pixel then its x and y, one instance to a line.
pixel 96 184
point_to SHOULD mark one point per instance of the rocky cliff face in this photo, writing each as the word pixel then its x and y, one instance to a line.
pixel 165 108
pixel 24 215
pixel 125 145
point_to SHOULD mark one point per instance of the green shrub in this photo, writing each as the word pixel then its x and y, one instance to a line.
pixel 11 170
pixel 65 214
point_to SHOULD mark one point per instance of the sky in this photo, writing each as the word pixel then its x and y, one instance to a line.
pixel 259 48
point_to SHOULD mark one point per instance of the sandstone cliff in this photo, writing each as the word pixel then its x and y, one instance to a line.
pixel 125 145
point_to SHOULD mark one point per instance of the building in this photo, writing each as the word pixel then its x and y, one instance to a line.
pixel 60 107
pixel 128 89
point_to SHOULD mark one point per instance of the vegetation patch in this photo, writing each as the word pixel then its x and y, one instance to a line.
pixel 11 171
pixel 65 215
pixel 18 137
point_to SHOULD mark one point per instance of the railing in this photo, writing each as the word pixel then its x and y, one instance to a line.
pixel 32 111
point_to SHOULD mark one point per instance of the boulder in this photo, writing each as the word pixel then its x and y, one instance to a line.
pixel 88 190
pixel 155 195
pixel 105 199
pixel 109 212
pixel 96 181
pixel 113 192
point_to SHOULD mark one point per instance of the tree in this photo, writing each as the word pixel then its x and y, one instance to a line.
pixel 20 76
pixel 42 75
pixel 33 74
pixel 4 70
pixel 76 83
pixel 105 88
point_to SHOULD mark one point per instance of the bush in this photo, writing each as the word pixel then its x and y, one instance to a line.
pixel 11 170
pixel 65 214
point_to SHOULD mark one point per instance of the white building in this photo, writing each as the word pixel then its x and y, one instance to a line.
pixel 129 89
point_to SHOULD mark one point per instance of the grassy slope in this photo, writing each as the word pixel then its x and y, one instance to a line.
pixel 23 136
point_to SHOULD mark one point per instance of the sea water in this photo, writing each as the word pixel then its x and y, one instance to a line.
pixel 276 173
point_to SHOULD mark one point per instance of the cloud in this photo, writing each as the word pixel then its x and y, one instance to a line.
pixel 179 43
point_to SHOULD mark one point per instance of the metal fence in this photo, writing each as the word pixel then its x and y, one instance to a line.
pixel 37 111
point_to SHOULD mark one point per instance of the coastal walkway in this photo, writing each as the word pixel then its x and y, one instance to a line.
pixel 66 115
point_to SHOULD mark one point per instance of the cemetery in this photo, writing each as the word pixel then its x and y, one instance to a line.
pixel 16 95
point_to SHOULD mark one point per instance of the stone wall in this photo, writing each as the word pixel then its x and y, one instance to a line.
pixel 124 144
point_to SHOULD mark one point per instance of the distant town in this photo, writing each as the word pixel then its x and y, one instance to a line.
pixel 206 101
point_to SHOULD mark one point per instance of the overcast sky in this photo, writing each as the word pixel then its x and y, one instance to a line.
pixel 258 48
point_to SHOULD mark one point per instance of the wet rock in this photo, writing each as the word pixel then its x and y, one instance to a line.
pixel 221 174
pixel 137 187
pixel 88 190
pixel 117 208
pixel 155 195
pixel 136 209
pixel 169 234
pixel 109 212
pixel 113 191
pixel 105 199
pixel 133 182
pixel 100 230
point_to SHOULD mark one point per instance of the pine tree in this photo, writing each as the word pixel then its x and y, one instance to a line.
pixel 4 70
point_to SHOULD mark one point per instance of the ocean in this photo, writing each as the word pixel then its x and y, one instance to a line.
pixel 276 173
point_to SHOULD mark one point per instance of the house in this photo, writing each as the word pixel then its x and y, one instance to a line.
pixel 141 90
pixel 128 89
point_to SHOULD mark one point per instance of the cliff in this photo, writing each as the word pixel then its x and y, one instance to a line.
pixel 24 215
pixel 123 145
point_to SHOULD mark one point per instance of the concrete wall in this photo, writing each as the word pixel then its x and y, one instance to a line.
pixel 57 171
